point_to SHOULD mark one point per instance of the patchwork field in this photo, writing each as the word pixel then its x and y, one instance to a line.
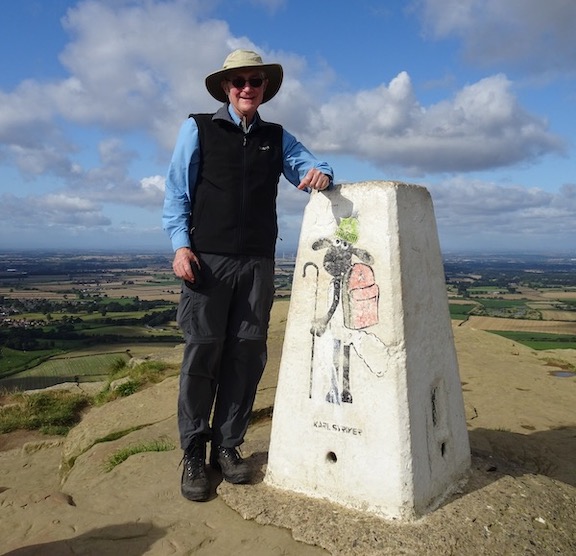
pixel 519 325
pixel 81 316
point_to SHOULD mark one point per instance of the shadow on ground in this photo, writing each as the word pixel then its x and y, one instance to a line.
pixel 128 539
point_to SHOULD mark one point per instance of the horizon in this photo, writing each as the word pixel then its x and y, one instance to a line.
pixel 287 254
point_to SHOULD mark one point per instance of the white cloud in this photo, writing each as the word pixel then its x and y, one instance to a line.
pixel 533 35
pixel 22 112
pixel 36 160
pixel 109 181
pixel 473 212
pixel 152 188
pixel 482 126
pixel 141 65
pixel 45 211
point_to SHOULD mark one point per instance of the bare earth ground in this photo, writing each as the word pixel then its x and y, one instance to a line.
pixel 520 498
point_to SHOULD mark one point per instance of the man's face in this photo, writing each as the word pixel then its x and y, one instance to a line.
pixel 245 91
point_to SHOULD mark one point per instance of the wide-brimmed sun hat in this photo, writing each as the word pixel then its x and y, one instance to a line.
pixel 245 60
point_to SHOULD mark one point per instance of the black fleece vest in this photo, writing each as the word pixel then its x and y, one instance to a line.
pixel 234 210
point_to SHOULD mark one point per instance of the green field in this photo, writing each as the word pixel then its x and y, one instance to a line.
pixel 489 306
pixel 72 366
pixel 131 331
pixel 12 360
pixel 459 311
pixel 485 289
pixel 505 308
pixel 500 303
pixel 539 340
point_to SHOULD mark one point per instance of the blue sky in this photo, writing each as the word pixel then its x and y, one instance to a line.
pixel 473 99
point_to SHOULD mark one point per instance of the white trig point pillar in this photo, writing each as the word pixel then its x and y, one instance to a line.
pixel 369 411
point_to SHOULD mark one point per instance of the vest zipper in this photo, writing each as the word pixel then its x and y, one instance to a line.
pixel 243 204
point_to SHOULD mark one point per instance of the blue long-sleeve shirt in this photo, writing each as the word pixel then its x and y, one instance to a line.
pixel 183 172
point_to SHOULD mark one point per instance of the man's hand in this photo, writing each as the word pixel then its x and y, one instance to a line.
pixel 181 263
pixel 314 179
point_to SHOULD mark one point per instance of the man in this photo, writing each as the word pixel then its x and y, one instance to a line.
pixel 220 214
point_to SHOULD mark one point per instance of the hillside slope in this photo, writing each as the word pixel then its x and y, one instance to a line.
pixel 520 499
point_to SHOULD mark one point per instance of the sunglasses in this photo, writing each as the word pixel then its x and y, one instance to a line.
pixel 240 82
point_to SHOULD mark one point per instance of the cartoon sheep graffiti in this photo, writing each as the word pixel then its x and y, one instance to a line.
pixel 353 287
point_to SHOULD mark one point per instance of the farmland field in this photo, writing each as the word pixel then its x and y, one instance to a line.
pixel 71 366
pixel 460 311
pixel 540 340
pixel 13 360
pixel 71 316
pixel 569 316
pixel 559 294
pixel 520 325
pixel 132 331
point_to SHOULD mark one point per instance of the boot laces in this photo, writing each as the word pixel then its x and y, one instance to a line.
pixel 194 464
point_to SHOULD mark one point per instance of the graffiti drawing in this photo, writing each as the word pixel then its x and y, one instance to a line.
pixel 354 289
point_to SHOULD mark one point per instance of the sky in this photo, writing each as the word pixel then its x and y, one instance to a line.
pixel 473 99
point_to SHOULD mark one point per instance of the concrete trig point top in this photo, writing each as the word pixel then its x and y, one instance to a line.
pixel 369 411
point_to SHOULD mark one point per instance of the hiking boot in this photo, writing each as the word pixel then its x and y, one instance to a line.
pixel 195 485
pixel 227 460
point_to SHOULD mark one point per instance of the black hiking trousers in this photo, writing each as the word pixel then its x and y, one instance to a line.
pixel 224 321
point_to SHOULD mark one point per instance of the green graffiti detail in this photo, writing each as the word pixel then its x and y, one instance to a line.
pixel 348 229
